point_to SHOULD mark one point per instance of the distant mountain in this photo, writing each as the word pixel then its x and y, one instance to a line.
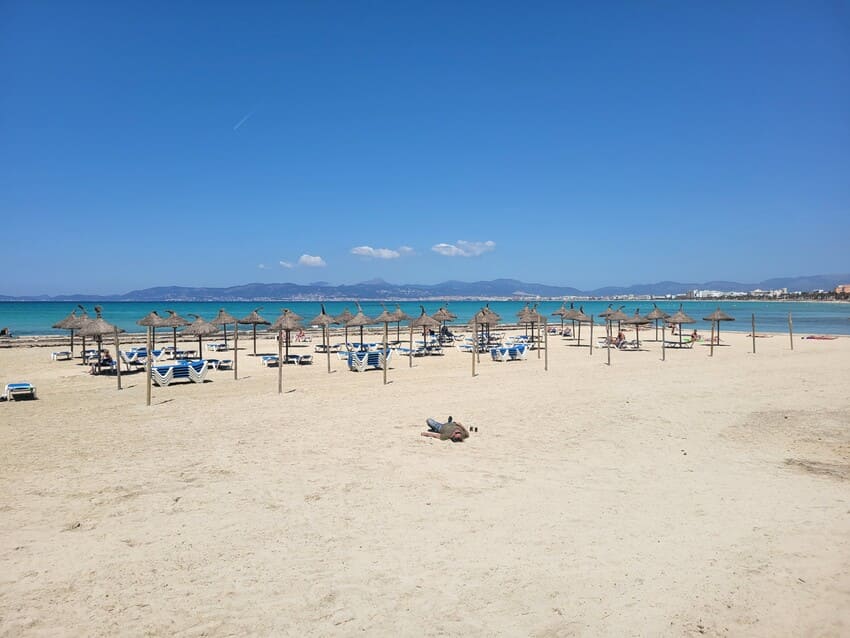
pixel 380 289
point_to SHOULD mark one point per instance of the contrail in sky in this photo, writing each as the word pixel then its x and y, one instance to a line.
pixel 243 120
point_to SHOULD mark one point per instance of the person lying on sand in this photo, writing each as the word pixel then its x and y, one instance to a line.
pixel 449 430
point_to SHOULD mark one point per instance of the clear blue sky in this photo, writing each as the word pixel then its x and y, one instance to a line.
pixel 214 144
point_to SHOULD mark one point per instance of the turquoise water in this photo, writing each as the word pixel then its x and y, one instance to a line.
pixel 36 318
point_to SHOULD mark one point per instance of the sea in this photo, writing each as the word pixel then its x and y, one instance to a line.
pixel 833 318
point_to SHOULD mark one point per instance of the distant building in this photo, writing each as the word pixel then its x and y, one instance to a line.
pixel 842 289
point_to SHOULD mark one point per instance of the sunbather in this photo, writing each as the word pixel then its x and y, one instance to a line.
pixel 449 430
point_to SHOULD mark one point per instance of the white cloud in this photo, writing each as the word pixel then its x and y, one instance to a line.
pixel 405 250
pixel 262 266
pixel 464 248
pixel 286 264
pixel 312 261
pixel 376 253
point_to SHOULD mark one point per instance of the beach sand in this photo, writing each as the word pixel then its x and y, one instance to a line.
pixel 693 496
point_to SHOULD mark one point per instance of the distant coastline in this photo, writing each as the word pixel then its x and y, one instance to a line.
pixel 833 287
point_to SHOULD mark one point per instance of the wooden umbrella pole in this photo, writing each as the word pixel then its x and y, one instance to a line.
pixel 754 333
pixel 327 338
pixel 235 351
pixel 148 369
pixel 386 337
pixel 117 358
pixel 711 349
pixel 474 346
pixel 410 348
pixel 255 338
pixel 791 330
pixel 607 342
pixel 546 349
pixel 280 362
pixel 663 341
pixel 591 335
pixel 539 340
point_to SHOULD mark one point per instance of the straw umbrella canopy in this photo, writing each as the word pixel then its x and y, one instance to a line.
pixel 637 321
pixel 325 320
pixel 200 328
pixel 78 322
pixel 485 318
pixel 443 315
pixel 715 318
pixel 222 319
pixel 255 319
pixel 655 315
pixel 399 315
pixel 385 318
pixel 343 318
pixel 98 327
pixel 679 317
pixel 174 321
pixel 360 320
pixel 69 323
pixel 287 322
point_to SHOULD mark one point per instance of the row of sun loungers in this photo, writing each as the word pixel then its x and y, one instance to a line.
pixel 271 360
pixel 509 353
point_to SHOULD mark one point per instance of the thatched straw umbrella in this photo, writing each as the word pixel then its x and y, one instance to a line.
pixel 78 322
pixel 678 318
pixel 398 316
pixel 69 323
pixel 255 319
pixel 579 317
pixel 200 328
pixel 150 321
pixel 359 320
pixel 222 319
pixel 637 321
pixel 325 320
pixel 572 316
pixel 535 318
pixel 286 323
pixel 343 318
pixel 426 323
pixel 485 318
pixel 385 318
pixel 98 327
pixel 715 318
pixel 655 315
pixel 562 313
pixel 174 321
pixel 443 315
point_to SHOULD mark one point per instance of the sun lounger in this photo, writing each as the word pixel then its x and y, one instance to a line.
pixel 500 354
pixel 15 391
pixel 217 347
pixel 519 353
pixel 225 364
pixel 676 344
pixel 305 359
pixel 62 355
pixel 195 371
pixel 269 360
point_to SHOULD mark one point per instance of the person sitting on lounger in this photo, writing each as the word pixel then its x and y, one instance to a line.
pixel 105 362
pixel 621 338
pixel 695 336
pixel 450 430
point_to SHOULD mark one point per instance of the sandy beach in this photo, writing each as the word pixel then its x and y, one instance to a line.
pixel 701 495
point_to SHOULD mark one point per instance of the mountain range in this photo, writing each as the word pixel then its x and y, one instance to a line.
pixel 377 289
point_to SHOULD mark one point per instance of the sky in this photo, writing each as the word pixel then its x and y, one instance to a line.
pixel 575 144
